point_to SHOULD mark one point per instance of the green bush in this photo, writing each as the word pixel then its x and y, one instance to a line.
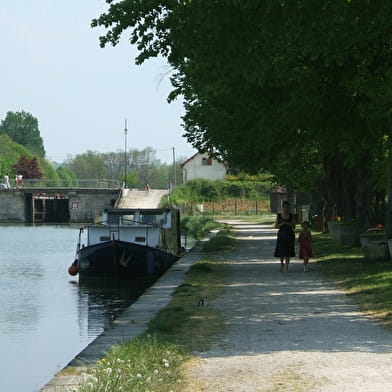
pixel 198 225
pixel 202 190
pixel 222 241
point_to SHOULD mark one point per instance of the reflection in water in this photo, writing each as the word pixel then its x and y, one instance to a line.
pixel 102 300
pixel 46 316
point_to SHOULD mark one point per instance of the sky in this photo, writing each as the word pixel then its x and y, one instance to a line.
pixel 81 94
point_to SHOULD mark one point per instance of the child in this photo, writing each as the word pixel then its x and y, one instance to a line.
pixel 305 242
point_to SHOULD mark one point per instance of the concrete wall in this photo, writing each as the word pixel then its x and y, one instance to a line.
pixel 12 206
pixel 85 205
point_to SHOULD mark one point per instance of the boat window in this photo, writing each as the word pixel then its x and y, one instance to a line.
pixel 148 218
pixel 128 219
pixel 104 238
pixel 113 219
pixel 140 239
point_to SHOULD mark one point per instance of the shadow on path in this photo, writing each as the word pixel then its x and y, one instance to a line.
pixel 268 311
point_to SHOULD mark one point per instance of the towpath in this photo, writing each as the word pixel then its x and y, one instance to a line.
pixel 290 331
pixel 285 332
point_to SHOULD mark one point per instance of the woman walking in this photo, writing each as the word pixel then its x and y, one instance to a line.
pixel 285 222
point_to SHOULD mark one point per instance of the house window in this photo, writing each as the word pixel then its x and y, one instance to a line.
pixel 206 161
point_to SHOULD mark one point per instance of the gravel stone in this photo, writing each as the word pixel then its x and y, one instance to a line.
pixel 291 331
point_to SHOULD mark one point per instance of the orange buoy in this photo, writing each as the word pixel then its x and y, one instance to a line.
pixel 73 269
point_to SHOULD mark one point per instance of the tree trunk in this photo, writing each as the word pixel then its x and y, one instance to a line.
pixel 349 190
pixel 364 196
pixel 388 217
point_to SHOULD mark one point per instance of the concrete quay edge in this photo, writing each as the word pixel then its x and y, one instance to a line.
pixel 131 323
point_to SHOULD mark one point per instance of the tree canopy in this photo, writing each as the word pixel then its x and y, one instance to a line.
pixel 299 88
pixel 142 167
pixel 28 168
pixel 23 129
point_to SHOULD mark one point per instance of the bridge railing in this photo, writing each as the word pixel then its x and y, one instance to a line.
pixel 76 183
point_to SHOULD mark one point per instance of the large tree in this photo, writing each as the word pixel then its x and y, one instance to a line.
pixel 142 167
pixel 28 168
pixel 89 165
pixel 23 129
pixel 294 87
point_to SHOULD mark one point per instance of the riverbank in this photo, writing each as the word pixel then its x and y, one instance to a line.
pixel 132 323
pixel 290 331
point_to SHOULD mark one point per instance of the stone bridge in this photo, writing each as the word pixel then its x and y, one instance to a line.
pixel 70 205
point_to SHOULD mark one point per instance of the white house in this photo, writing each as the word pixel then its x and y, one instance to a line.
pixel 201 165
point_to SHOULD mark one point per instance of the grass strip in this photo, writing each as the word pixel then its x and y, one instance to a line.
pixel 368 282
pixel 223 240
pixel 154 361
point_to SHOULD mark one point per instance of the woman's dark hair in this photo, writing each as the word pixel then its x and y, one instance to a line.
pixel 285 203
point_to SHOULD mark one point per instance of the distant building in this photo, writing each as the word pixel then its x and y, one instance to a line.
pixel 201 165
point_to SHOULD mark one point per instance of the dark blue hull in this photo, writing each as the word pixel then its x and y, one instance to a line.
pixel 124 260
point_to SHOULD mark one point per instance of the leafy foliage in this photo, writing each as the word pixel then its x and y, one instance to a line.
pixel 67 177
pixel 11 153
pixel 202 190
pixel 142 167
pixel 198 226
pixel 222 241
pixel 303 89
pixel 23 129
pixel 28 168
pixel 88 165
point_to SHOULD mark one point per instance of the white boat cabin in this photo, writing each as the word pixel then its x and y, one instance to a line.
pixel 141 226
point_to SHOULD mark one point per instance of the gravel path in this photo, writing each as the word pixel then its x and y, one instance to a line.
pixel 290 331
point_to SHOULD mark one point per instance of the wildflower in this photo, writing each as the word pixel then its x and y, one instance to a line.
pixel 138 375
pixel 107 370
pixel 155 371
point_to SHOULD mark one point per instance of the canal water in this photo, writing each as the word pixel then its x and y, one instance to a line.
pixel 46 316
